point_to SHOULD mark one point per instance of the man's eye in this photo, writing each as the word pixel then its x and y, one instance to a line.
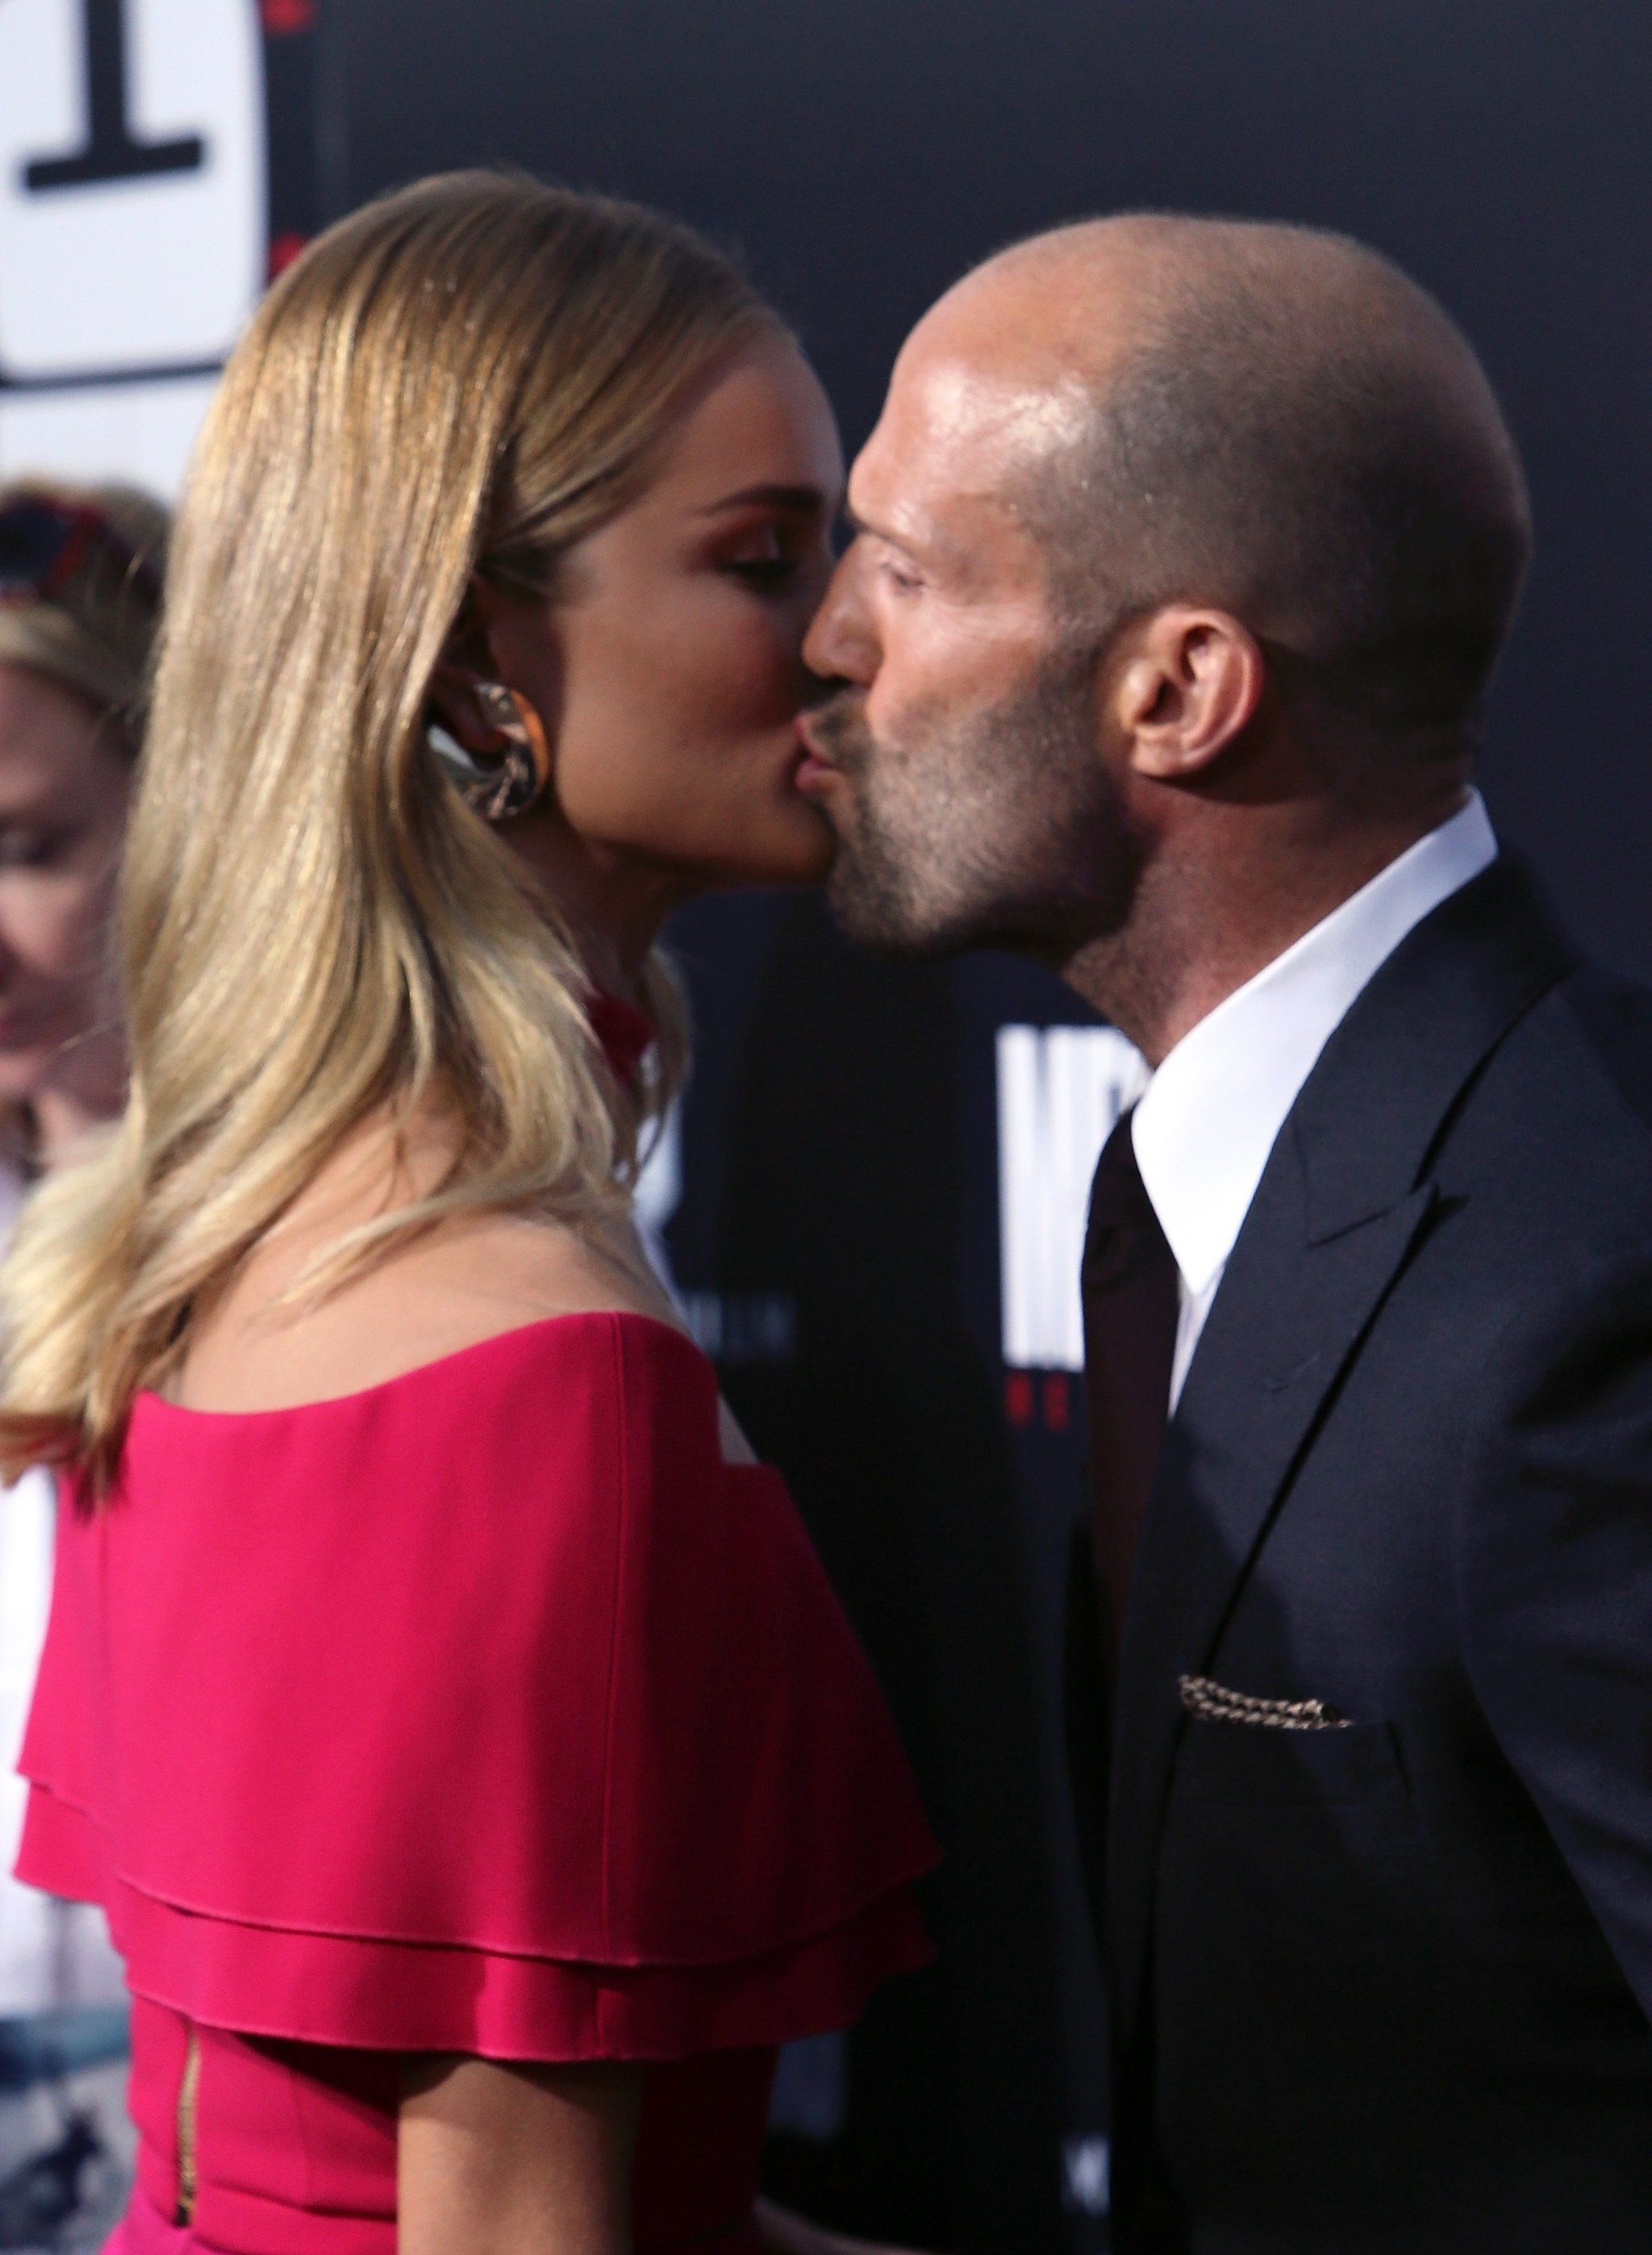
pixel 906 581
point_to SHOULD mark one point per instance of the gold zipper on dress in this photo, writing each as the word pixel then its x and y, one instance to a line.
pixel 188 2097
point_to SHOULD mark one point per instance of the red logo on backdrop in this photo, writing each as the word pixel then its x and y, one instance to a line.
pixel 292 33
pixel 282 250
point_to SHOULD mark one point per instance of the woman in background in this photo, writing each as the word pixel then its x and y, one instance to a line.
pixel 79 595
pixel 478 1773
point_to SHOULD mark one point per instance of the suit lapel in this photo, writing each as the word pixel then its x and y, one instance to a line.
pixel 1343 1201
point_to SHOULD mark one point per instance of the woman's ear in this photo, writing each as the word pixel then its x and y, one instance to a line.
pixel 491 647
pixel 1189 683
pixel 514 639
pixel 457 705
pixel 483 722
pixel 466 663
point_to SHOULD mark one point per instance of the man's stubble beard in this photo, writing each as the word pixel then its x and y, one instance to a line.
pixel 1005 831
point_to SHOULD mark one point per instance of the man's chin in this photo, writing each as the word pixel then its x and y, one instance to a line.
pixel 880 917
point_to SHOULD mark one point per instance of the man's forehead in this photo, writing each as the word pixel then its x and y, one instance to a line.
pixel 955 434
pixel 1012 412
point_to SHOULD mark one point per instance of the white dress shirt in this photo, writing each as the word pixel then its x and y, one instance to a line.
pixel 1212 1113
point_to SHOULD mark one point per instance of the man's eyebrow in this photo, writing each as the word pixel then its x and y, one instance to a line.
pixel 795 501
pixel 858 525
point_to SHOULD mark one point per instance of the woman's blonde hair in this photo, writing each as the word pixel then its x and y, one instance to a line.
pixel 95 633
pixel 462 379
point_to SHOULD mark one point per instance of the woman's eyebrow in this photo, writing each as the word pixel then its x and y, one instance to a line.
pixel 796 501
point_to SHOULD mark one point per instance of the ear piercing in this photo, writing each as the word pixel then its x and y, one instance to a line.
pixel 496 785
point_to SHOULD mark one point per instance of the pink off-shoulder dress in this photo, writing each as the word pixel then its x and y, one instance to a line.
pixel 489 1711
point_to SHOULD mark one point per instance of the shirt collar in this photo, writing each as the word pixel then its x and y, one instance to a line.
pixel 1212 1111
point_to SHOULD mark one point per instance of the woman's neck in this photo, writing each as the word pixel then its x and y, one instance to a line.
pixel 614 903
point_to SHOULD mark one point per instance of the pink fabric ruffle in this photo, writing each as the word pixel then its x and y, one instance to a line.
pixel 488 1709
pixel 362 1993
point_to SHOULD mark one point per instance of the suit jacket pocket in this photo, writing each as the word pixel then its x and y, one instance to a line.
pixel 1236 1762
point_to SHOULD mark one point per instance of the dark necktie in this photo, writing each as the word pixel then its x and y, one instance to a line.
pixel 1129 1283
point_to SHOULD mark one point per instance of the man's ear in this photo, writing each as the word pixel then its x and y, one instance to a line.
pixel 1188 683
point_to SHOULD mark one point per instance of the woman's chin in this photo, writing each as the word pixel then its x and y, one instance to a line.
pixel 800 851
pixel 796 846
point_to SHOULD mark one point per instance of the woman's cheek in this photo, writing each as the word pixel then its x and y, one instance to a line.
pixel 47 935
pixel 68 921
pixel 738 661
pixel 606 789
pixel 670 726
pixel 31 924
pixel 773 674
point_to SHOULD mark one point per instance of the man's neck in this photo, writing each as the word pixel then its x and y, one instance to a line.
pixel 1195 936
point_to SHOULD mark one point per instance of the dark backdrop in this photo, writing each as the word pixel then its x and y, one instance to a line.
pixel 838 1230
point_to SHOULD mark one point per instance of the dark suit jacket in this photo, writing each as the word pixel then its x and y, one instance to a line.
pixel 1388 1987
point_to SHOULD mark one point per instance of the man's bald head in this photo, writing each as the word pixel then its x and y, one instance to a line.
pixel 1184 552
pixel 1267 418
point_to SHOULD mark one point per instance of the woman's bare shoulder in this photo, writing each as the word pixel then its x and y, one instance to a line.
pixel 471 1279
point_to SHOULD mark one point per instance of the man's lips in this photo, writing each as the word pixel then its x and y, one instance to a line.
pixel 816 766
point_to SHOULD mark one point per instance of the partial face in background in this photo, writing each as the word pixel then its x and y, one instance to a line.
pixel 957 750
pixel 668 667
pixel 63 782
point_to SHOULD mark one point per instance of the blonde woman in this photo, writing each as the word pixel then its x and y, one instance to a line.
pixel 80 596
pixel 478 1773
pixel 80 573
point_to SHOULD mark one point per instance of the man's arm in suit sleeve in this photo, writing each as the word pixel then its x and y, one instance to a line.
pixel 1555 1563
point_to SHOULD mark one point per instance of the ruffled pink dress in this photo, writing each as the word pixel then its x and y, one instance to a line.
pixel 488 1711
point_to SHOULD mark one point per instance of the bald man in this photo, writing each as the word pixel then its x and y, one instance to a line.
pixel 1184 553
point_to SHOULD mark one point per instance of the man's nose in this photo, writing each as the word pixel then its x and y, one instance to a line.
pixel 839 644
